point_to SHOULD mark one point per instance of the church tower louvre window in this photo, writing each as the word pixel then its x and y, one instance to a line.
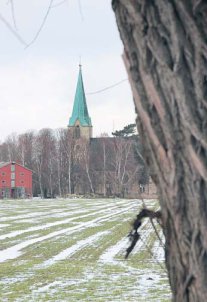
pixel 77 132
pixel 80 121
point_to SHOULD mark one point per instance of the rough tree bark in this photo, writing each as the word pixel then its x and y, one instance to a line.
pixel 165 53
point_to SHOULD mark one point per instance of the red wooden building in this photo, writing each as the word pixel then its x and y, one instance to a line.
pixel 15 181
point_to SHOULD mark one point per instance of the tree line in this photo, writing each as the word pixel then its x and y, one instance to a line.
pixel 62 165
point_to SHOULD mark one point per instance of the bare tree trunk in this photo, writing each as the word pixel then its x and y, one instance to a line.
pixel 58 175
pixel 69 174
pixel 104 169
pixel 50 170
pixel 89 178
pixel 86 158
pixel 39 174
pixel 165 53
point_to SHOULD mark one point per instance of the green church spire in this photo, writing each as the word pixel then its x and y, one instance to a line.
pixel 80 110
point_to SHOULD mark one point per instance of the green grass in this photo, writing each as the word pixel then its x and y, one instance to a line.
pixel 82 276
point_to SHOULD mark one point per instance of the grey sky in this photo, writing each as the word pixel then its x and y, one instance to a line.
pixel 37 84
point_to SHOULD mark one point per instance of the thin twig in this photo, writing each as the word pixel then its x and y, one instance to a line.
pixel 157 234
pixel 42 25
pixel 150 252
pixel 134 235
pixel 106 88
pixel 80 10
pixel 59 4
pixel 153 225
pixel 21 40
pixel 13 13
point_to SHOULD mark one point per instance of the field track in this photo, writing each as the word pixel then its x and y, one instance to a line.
pixel 73 250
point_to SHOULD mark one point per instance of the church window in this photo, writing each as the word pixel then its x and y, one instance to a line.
pixel 77 132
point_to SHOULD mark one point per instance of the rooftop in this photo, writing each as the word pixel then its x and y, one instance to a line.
pixel 80 110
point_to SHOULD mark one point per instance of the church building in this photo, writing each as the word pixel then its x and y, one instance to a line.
pixel 80 121
pixel 103 166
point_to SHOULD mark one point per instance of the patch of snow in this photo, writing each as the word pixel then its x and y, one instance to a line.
pixel 4 225
pixel 52 224
pixel 158 249
pixel 16 217
pixel 74 248
pixel 109 255
pixel 15 251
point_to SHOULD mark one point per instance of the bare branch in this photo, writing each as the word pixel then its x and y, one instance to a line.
pixel 21 40
pixel 156 232
pixel 153 225
pixel 59 4
pixel 13 13
pixel 134 235
pixel 106 88
pixel 42 25
pixel 80 10
pixel 150 252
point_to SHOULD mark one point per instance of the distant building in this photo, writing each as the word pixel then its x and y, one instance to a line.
pixel 106 166
pixel 80 122
pixel 15 181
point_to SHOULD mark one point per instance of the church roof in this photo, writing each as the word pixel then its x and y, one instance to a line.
pixel 80 110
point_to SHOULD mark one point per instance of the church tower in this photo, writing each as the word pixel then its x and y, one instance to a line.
pixel 80 122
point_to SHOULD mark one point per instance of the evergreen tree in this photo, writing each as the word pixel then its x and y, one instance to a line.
pixel 127 131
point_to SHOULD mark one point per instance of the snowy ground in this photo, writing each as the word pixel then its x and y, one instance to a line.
pixel 73 250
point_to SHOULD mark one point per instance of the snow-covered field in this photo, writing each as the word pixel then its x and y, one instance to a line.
pixel 73 250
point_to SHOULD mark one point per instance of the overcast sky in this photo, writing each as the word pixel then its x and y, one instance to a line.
pixel 37 83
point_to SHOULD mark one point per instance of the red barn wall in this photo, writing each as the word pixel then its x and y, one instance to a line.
pixel 22 179
pixel 5 176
